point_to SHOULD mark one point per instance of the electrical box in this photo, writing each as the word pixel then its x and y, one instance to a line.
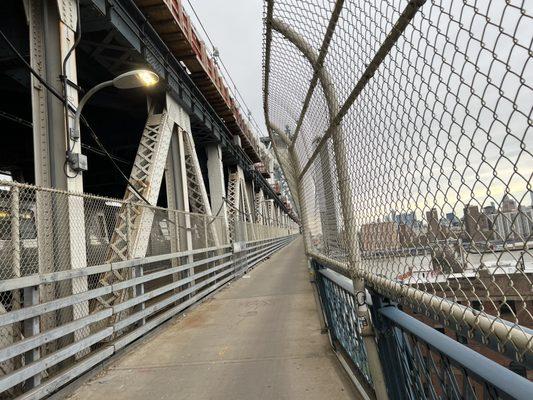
pixel 78 162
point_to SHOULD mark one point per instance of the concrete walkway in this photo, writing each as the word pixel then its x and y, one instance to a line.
pixel 259 338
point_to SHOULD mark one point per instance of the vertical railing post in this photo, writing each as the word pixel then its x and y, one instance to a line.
pixel 235 248
pixel 387 348
pixel 178 247
pixel 15 230
pixel 128 229
pixel 138 270
pixel 15 252
pixel 205 233
pixel 315 282
pixel 30 327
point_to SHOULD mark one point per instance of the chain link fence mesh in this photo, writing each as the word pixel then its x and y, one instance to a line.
pixel 409 141
pixel 71 250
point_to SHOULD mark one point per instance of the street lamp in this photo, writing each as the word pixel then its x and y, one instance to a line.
pixel 128 80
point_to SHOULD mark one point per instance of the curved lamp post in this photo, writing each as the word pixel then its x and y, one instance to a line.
pixel 128 80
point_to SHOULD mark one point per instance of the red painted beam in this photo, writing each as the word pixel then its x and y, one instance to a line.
pixel 169 17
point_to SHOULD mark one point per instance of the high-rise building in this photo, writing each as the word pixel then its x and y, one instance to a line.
pixel 452 219
pixel 380 236
pixel 476 224
pixel 435 229
pixel 508 204
pixel 513 225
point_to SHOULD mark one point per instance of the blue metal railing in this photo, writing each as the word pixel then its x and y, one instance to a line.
pixel 419 362
pixel 341 316
pixel 431 365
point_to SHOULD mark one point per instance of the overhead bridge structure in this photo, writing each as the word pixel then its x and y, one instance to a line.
pixel 377 245
pixel 160 197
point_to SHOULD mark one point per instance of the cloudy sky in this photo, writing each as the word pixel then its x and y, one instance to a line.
pixel 236 29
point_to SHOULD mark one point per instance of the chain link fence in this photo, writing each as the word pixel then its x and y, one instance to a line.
pixel 81 276
pixel 404 129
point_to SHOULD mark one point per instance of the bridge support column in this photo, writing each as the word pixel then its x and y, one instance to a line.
pixel 52 36
pixel 240 207
pixel 217 188
pixel 177 190
pixel 249 198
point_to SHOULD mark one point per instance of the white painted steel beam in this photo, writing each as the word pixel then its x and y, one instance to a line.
pixel 52 27
pixel 217 187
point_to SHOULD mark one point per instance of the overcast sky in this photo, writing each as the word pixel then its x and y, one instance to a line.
pixel 236 29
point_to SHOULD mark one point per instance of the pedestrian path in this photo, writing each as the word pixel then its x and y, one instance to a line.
pixel 258 338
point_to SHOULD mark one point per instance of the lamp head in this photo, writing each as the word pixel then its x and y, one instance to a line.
pixel 136 78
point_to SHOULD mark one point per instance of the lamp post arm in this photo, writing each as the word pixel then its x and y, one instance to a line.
pixel 76 133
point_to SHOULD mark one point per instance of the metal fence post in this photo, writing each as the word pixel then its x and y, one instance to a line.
pixel 15 248
pixel 30 327
pixel 387 347
pixel 138 270
pixel 345 190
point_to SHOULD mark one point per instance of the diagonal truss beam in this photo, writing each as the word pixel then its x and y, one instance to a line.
pixel 134 222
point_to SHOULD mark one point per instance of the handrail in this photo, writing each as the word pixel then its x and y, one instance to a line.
pixel 137 314
pixel 506 382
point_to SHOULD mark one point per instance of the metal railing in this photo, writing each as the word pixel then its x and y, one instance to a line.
pixel 71 294
pixel 404 132
pixel 340 309
pixel 421 361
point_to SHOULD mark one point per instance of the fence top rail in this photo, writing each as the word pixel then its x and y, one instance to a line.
pixel 38 279
pixel 340 280
pixel 336 265
pixel 110 200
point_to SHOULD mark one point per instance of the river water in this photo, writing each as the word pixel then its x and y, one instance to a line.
pixel 391 266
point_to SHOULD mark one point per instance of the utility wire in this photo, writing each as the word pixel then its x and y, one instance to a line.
pixel 216 215
pixel 224 66
pixel 16 119
pixel 29 124
pixel 34 73
pixel 85 122
pixel 119 170
pixel 102 153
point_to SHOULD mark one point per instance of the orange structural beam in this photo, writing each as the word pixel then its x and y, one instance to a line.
pixel 170 20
